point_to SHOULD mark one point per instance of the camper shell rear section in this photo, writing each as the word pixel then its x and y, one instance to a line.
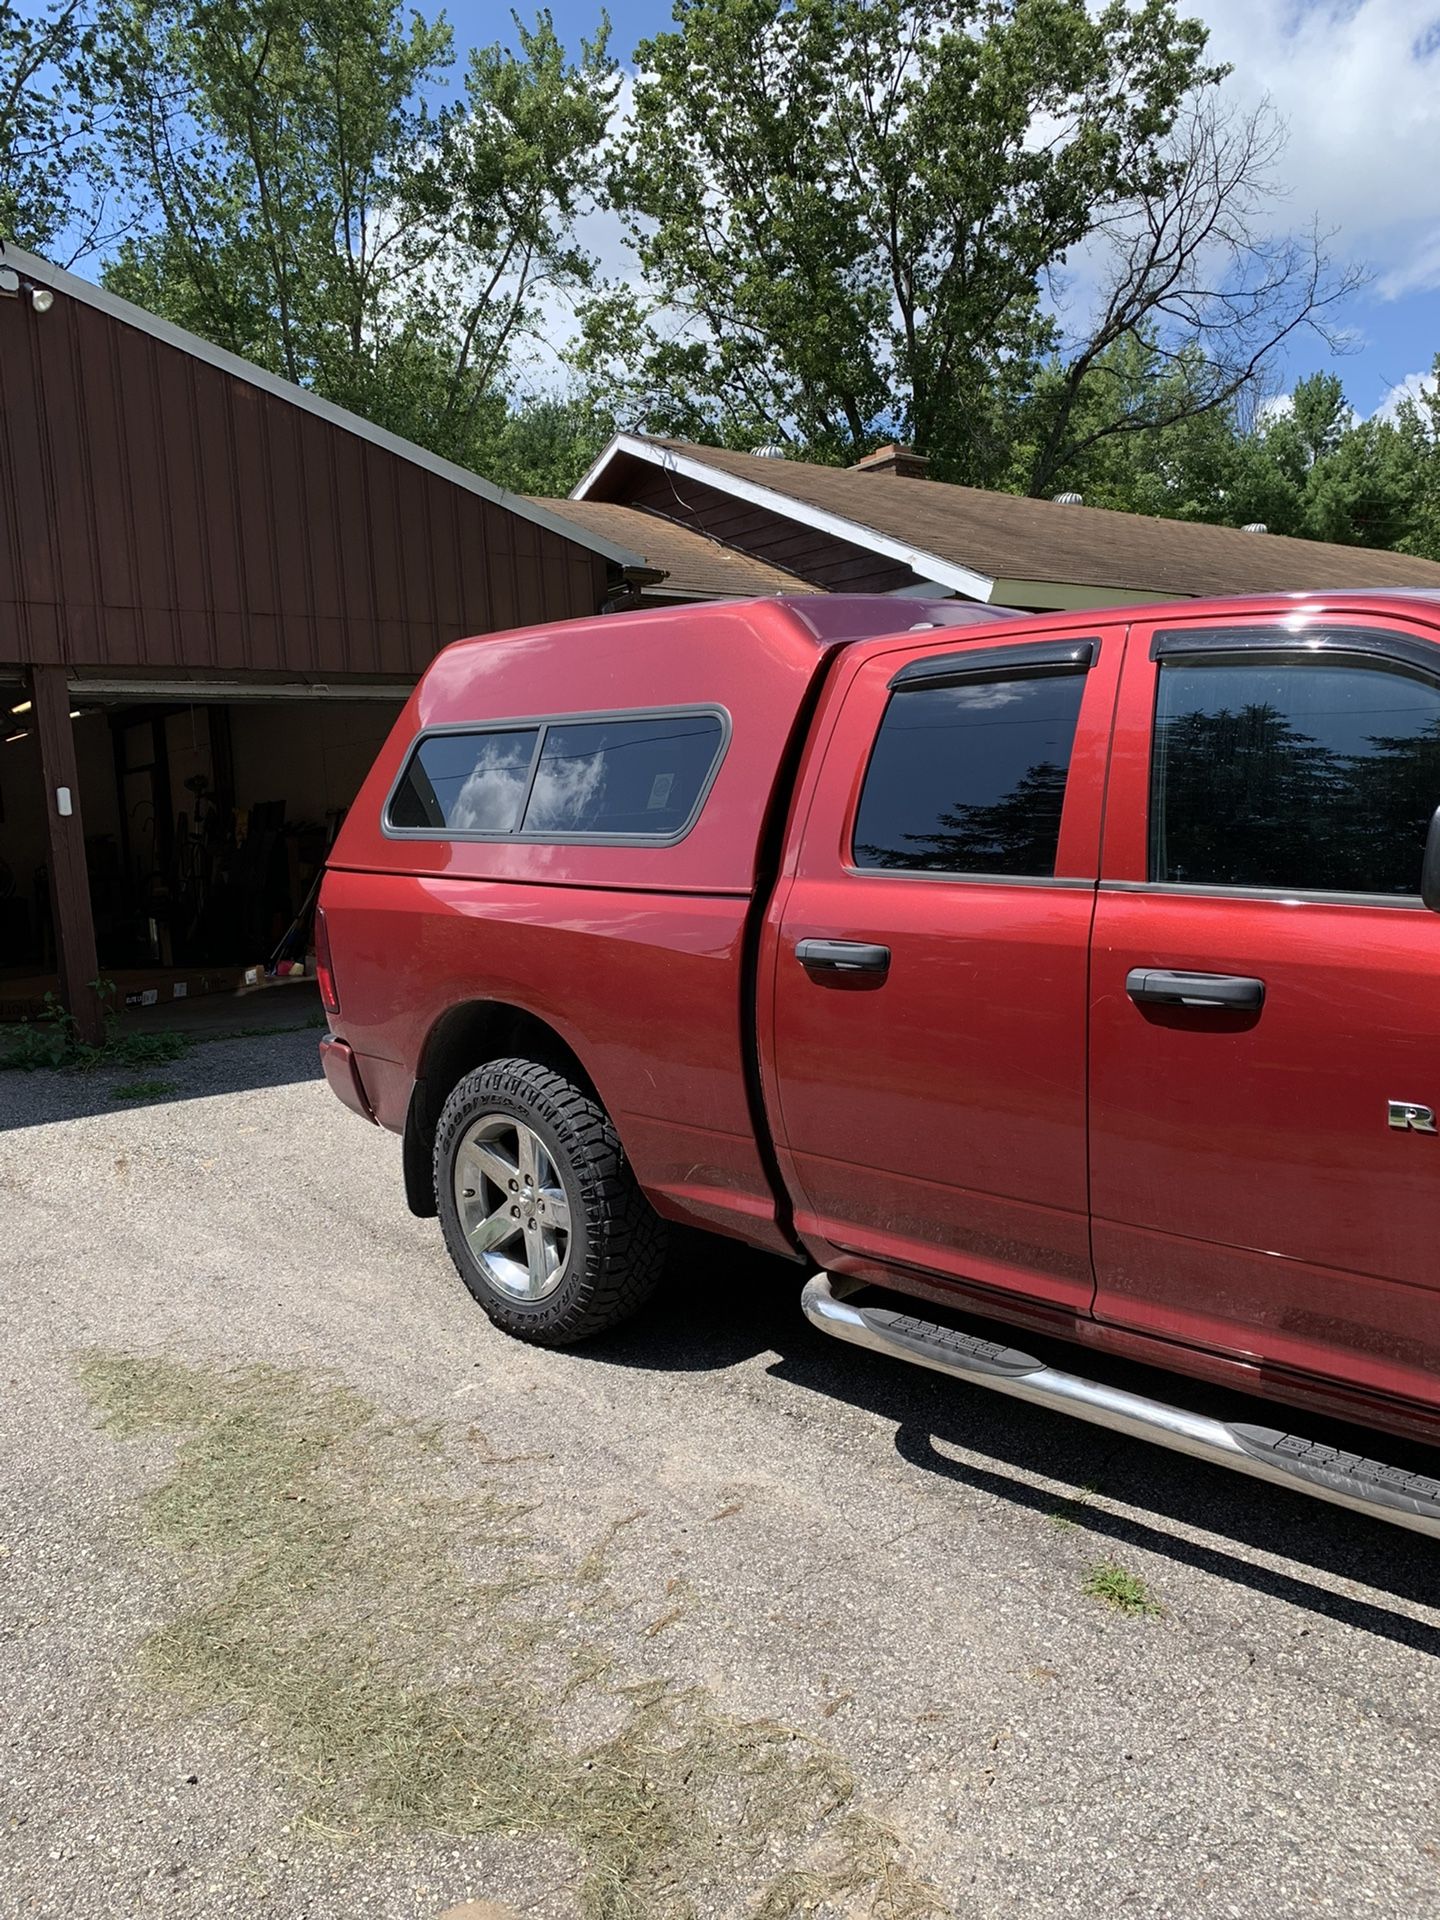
pixel 604 954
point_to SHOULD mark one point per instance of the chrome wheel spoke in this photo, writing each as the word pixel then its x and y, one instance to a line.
pixel 493 1231
pixel 508 1190
pixel 538 1262
pixel 494 1164
pixel 527 1156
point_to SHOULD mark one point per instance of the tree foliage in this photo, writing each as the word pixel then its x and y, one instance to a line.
pixel 1308 466
pixel 308 199
pixel 54 180
pixel 851 215
pixel 1027 236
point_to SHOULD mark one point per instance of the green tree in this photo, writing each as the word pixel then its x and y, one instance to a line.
pixel 850 216
pixel 1418 423
pixel 53 177
pixel 544 443
pixel 1181 465
pixel 1311 468
pixel 1315 469
pixel 307 200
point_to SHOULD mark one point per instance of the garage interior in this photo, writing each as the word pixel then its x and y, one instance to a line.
pixel 206 822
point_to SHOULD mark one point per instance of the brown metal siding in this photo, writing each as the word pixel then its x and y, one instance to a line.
pixel 158 512
pixel 833 564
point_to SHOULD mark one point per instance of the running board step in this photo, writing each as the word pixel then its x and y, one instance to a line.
pixel 1348 1479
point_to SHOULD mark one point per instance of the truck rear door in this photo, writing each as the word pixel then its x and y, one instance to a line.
pixel 1265 1026
pixel 924 973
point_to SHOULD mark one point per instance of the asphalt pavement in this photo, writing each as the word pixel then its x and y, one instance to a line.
pixel 901 1571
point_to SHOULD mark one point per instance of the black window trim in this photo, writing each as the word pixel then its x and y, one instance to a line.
pixel 996 663
pixel 542 723
pixel 1033 659
pixel 1216 646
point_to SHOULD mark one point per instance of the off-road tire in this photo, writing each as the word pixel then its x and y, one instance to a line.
pixel 617 1240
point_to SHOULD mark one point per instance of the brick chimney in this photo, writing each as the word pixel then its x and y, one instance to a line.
pixel 903 462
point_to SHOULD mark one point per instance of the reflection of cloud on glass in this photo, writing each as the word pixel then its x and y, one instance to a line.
pixel 951 706
pixel 1001 693
pixel 567 791
pixel 491 793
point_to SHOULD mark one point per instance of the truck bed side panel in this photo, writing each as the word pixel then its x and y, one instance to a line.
pixel 644 988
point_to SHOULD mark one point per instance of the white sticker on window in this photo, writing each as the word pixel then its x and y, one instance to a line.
pixel 660 791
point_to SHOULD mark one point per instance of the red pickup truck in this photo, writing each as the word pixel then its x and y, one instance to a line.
pixel 1079 973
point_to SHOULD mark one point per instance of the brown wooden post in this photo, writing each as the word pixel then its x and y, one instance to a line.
pixel 69 879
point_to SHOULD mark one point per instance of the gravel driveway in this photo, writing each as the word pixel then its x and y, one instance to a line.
pixel 763 1529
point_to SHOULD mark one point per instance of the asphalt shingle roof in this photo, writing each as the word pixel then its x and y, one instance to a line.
pixel 1011 538
pixel 693 562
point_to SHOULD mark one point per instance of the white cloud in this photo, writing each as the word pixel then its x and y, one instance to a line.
pixel 1357 86
pixel 1415 275
pixel 1410 388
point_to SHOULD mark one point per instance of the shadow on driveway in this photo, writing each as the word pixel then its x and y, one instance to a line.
pixel 726 1305
pixel 227 1061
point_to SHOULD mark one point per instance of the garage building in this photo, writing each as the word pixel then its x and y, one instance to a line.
pixel 215 591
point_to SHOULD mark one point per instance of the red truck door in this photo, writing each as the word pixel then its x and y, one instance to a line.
pixel 925 962
pixel 1265 1016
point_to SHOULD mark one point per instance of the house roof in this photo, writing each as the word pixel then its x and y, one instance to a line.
pixel 44 273
pixel 987 545
pixel 694 564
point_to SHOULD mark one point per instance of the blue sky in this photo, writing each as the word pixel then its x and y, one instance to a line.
pixel 1358 83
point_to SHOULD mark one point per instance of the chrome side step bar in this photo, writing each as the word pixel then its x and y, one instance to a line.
pixel 1348 1479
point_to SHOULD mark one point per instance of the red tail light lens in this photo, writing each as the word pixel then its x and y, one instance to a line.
pixel 324 967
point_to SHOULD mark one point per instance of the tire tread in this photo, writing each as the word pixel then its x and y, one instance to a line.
pixel 624 1241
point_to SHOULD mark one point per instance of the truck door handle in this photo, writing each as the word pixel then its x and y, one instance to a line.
pixel 842 956
pixel 1154 986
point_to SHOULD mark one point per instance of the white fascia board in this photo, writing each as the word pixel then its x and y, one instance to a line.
pixel 74 288
pixel 930 566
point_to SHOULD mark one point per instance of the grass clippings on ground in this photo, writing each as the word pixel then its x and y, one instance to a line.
pixel 1126 1592
pixel 327 1610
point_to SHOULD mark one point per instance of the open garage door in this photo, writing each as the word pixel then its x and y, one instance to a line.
pixel 208 809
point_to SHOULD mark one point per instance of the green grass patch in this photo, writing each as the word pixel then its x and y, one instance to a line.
pixel 41 1044
pixel 325 1608
pixel 1070 1511
pixel 1107 1580
pixel 142 1090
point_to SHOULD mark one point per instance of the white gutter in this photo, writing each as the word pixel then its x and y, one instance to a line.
pixel 930 566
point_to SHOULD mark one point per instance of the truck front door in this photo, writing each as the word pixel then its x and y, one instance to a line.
pixel 924 973
pixel 1265 1021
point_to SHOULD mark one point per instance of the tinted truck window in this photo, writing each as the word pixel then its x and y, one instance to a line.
pixel 1304 774
pixel 465 782
pixel 970 778
pixel 626 777
pixel 623 777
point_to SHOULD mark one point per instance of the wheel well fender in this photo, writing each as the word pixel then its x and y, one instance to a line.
pixel 464 1038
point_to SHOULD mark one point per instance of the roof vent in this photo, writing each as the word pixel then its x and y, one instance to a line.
pixel 772 450
pixel 1255 526
pixel 1069 499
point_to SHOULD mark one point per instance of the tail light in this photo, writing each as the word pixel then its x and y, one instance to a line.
pixel 324 966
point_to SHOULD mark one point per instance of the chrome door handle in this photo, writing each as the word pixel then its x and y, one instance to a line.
pixel 1158 986
pixel 842 956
